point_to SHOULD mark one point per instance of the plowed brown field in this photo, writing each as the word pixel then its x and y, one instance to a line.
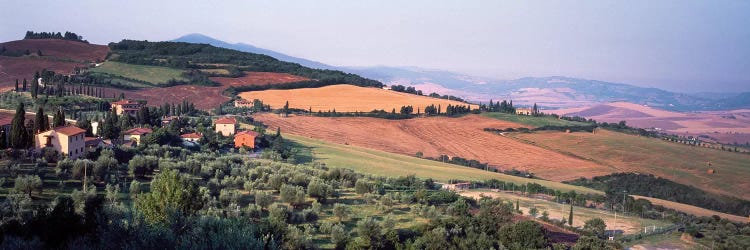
pixel 12 68
pixel 204 97
pixel 61 49
pixel 433 136
pixel 257 78
pixel 345 98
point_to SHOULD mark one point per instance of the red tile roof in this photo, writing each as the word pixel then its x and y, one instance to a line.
pixel 139 131
pixel 69 130
pixel 226 120
pixel 248 132
pixel 192 136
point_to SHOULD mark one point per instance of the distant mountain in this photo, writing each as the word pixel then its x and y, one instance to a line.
pixel 200 38
pixel 550 92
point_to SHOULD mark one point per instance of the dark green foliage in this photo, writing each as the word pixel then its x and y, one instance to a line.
pixel 523 235
pixel 41 122
pixel 657 187
pixel 58 119
pixel 504 107
pixel 570 216
pixel 170 193
pixel 70 36
pixel 595 226
pixel 19 137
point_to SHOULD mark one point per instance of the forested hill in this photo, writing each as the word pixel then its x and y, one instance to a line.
pixel 203 56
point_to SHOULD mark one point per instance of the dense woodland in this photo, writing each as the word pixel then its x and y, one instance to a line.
pixel 657 187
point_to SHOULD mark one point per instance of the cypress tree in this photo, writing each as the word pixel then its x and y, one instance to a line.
pixel 18 137
pixel 16 85
pixel 518 207
pixel 24 85
pixel 40 121
pixel 3 140
pixel 570 216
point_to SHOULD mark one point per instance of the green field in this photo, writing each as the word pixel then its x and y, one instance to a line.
pixel 152 74
pixel 388 164
pixel 629 153
pixel 532 120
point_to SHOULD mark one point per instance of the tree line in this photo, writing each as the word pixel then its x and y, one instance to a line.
pixel 657 187
pixel 70 36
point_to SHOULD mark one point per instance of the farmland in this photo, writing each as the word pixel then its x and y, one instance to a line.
pixel 12 68
pixel 532 120
pixel 151 74
pixel 257 78
pixel 680 163
pixel 381 163
pixel 345 98
pixel 204 97
pixel 435 136
pixel 57 55
pixel 56 49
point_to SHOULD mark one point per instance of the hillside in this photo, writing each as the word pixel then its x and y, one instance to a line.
pixel 724 126
pixel 434 136
pixel 677 162
pixel 200 38
pixel 346 98
pixel 60 56
pixel 555 91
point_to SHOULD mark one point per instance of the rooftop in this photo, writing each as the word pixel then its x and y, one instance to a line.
pixel 191 136
pixel 247 132
pixel 226 120
pixel 69 130
pixel 139 131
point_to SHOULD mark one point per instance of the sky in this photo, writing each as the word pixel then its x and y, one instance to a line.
pixel 684 46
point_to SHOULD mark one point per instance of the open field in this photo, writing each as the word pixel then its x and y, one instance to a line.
pixel 435 136
pixel 257 78
pixel 60 49
pixel 152 74
pixel 388 164
pixel 697 211
pixel 12 68
pixel 531 120
pixel 627 224
pixel 723 126
pixel 345 98
pixel 204 97
pixel 627 153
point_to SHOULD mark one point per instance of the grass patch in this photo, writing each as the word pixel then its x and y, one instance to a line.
pixel 389 164
pixel 152 74
pixel 535 121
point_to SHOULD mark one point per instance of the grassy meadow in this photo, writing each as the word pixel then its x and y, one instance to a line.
pixel 388 164
pixel 532 120
pixel 152 74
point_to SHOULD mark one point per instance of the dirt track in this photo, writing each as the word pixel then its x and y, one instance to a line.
pixel 434 136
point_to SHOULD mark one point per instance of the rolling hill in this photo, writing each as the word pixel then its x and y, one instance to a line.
pixel 554 91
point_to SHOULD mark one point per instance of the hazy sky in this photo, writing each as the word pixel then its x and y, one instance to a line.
pixel 676 45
